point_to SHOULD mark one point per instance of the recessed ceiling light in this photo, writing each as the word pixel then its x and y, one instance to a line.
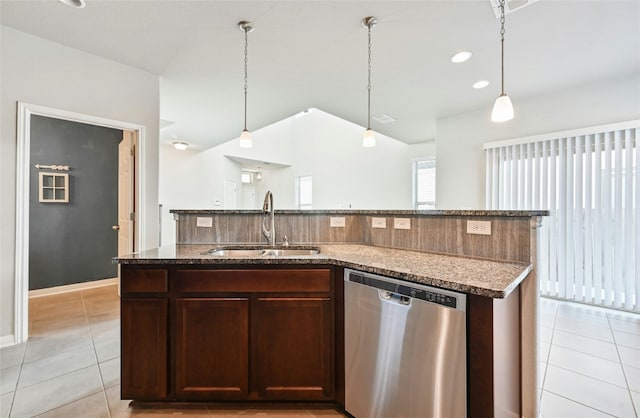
pixel 461 56
pixel 180 145
pixel 76 4
pixel 480 84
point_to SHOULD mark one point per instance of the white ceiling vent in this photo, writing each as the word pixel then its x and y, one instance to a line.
pixel 383 118
pixel 510 6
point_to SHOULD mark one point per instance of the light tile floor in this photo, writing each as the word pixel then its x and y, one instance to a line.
pixel 590 361
pixel 70 367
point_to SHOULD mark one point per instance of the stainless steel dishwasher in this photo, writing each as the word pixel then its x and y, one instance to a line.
pixel 405 349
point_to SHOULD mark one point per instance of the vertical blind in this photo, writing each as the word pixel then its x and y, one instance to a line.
pixel 589 180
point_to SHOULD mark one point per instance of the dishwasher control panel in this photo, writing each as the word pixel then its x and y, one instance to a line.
pixel 426 293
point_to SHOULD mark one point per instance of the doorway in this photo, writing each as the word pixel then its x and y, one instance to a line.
pixel 133 227
pixel 230 194
pixel 73 214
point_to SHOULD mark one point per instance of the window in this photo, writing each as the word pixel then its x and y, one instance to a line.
pixel 304 193
pixel 246 177
pixel 424 184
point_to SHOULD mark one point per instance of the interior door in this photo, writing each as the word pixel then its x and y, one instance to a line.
pixel 249 200
pixel 125 226
pixel 230 198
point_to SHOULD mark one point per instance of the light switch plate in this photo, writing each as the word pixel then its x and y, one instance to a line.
pixel 401 223
pixel 337 222
pixel 479 227
pixel 204 222
pixel 379 223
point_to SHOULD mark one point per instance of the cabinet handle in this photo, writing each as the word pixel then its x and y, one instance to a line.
pixel 116 227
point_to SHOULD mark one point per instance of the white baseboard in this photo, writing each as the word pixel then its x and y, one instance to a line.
pixel 7 340
pixel 72 287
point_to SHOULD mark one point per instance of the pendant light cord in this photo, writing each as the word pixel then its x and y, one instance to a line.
pixel 369 81
pixel 502 43
pixel 246 61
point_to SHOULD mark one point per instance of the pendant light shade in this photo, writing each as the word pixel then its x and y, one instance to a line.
pixel 502 108
pixel 245 137
pixel 76 4
pixel 369 138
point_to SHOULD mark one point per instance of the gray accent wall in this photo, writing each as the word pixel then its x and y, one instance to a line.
pixel 73 242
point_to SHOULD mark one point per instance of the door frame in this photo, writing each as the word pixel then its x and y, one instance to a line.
pixel 25 111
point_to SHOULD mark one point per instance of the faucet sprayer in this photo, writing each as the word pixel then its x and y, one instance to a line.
pixel 268 202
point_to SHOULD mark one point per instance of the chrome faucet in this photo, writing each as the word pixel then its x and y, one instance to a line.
pixel 267 208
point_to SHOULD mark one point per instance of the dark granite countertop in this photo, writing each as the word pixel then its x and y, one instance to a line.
pixel 489 278
pixel 389 212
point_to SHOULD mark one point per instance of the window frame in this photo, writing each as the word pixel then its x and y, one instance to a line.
pixel 298 192
pixel 427 204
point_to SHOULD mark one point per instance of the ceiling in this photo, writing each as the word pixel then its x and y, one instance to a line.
pixel 306 54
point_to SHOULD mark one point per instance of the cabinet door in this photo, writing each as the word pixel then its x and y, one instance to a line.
pixel 212 348
pixel 144 349
pixel 292 349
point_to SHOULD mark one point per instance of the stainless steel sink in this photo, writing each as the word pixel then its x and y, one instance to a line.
pixel 262 252
pixel 290 251
pixel 235 253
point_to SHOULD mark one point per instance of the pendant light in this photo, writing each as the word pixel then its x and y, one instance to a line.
pixel 76 4
pixel 179 145
pixel 369 139
pixel 502 108
pixel 245 136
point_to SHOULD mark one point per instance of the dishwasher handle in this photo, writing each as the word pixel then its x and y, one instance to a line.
pixel 390 297
pixel 405 291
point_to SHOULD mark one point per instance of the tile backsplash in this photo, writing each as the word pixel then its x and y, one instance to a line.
pixel 510 237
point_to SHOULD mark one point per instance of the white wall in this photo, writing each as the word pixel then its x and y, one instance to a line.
pixel 37 71
pixel 421 150
pixel 460 156
pixel 317 144
pixel 346 175
pixel 191 180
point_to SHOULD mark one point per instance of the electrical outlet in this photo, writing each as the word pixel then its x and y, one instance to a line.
pixel 479 227
pixel 401 223
pixel 204 222
pixel 337 222
pixel 379 223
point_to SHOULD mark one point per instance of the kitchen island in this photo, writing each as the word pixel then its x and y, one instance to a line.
pixel 197 326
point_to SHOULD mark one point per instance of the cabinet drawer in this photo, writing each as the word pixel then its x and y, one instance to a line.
pixel 144 281
pixel 293 280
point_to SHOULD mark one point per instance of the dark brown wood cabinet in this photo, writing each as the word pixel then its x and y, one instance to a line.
pixel 212 348
pixel 143 328
pixel 228 334
pixel 293 348
pixel 254 334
